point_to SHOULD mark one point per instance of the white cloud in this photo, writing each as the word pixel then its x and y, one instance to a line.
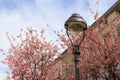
pixel 41 13
pixel 2 77
pixel 3 69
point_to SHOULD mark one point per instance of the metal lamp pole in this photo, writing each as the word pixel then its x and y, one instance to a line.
pixel 76 24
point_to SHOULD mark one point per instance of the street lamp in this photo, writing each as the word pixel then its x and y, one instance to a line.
pixel 76 25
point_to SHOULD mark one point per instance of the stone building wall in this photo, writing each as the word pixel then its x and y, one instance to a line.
pixel 111 16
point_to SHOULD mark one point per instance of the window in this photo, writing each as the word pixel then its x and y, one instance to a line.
pixel 66 70
pixel 118 30
pixel 119 11
pixel 106 35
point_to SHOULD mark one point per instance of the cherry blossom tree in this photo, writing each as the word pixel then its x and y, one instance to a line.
pixel 33 58
pixel 30 55
pixel 100 50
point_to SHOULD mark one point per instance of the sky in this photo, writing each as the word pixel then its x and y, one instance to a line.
pixel 19 14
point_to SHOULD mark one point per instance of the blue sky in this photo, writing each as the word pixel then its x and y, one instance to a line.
pixel 17 14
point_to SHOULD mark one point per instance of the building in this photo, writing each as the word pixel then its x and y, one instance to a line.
pixel 61 64
pixel 65 63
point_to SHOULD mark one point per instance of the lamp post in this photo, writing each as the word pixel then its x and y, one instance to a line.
pixel 76 24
